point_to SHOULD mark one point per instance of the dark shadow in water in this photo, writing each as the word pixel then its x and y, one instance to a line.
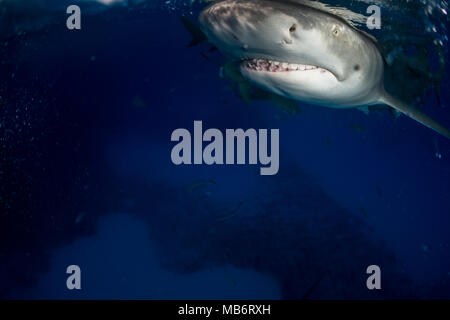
pixel 289 229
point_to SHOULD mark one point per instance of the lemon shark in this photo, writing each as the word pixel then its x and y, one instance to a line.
pixel 301 50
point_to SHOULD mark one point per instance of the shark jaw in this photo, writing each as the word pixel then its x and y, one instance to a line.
pixel 265 65
pixel 293 80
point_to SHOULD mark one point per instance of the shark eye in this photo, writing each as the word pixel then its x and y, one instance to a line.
pixel 292 28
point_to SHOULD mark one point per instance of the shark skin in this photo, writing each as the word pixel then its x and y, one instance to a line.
pixel 299 50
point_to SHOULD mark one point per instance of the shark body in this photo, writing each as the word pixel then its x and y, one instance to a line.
pixel 296 49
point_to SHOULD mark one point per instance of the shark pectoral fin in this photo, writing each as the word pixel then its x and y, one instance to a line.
pixel 287 105
pixel 364 109
pixel 244 90
pixel 196 34
pixel 395 113
pixel 414 114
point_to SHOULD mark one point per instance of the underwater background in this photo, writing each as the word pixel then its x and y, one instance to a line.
pixel 86 177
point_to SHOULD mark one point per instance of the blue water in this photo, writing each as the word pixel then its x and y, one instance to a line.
pixel 86 177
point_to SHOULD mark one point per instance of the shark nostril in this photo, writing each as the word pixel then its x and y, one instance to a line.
pixel 356 67
pixel 292 28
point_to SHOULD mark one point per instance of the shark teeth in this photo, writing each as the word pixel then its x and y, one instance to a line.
pixel 276 66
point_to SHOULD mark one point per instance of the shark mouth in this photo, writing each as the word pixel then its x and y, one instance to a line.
pixel 276 66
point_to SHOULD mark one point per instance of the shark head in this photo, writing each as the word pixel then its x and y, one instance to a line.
pixel 295 50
